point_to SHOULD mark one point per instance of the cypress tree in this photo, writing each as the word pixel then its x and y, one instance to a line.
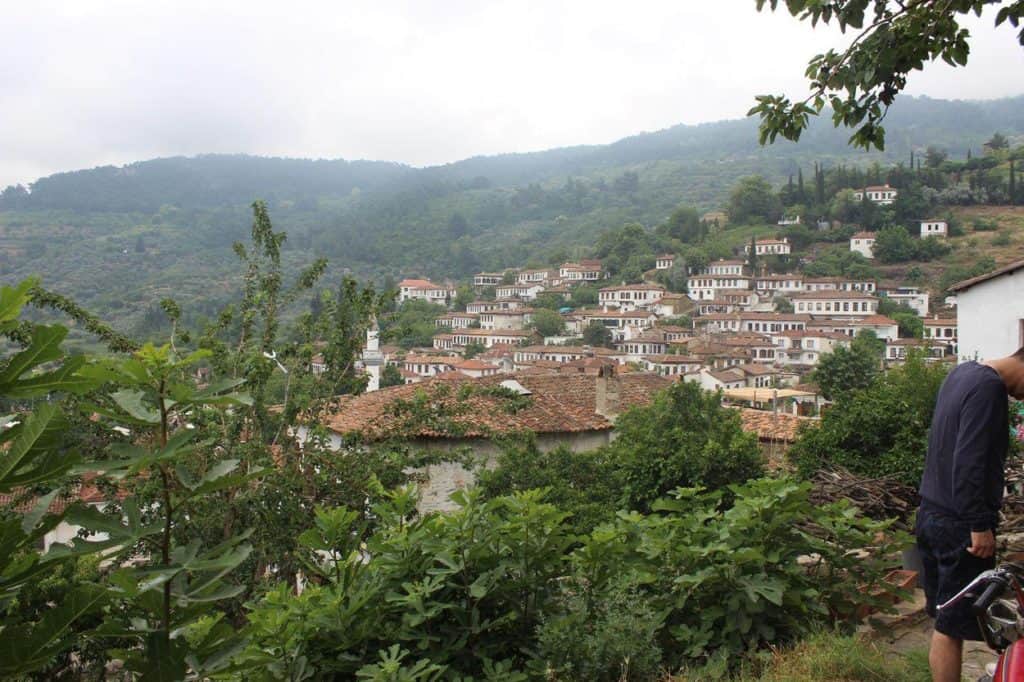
pixel 968 153
pixel 820 184
pixel 1013 185
pixel 800 184
pixel 911 158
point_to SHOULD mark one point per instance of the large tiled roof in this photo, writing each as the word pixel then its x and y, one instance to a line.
pixel 772 426
pixel 558 403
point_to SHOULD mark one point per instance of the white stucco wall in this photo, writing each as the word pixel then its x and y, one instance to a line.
pixel 989 317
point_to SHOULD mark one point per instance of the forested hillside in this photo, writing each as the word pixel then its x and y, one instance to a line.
pixel 165 227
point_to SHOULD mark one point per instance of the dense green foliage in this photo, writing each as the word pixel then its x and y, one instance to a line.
pixel 501 587
pixel 879 430
pixel 848 369
pixel 861 82
pixel 683 438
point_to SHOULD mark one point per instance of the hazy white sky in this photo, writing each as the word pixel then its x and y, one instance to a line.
pixel 422 81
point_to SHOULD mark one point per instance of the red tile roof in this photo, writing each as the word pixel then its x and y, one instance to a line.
pixel 772 426
pixel 558 403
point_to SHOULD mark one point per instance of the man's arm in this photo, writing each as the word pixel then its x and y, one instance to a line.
pixel 975 453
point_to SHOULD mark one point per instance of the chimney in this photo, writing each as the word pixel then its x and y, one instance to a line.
pixel 608 392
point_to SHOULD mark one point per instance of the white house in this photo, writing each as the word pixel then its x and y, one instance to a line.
pixel 664 262
pixel 990 313
pixel 882 195
pixel 839 284
pixel 779 284
pixel 461 338
pixel 672 365
pixel 584 271
pixel 715 379
pixel 883 327
pixel 425 290
pixel 835 303
pixel 526 292
pixel 534 276
pixel 941 329
pixel 725 267
pixel 769 247
pixel 934 228
pixel 863 243
pixel 761 323
pixel 806 347
pixel 487 279
pixel 630 296
pixel 722 274
pixel 498 304
pixel 506 319
pixel 912 296
pixel 457 320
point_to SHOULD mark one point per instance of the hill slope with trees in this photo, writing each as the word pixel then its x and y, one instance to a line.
pixel 166 226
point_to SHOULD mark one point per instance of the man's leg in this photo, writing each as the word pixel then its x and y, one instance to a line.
pixel 945 657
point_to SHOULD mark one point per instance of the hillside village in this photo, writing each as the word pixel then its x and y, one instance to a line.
pixel 589 338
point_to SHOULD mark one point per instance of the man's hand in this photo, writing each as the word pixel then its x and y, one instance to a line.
pixel 983 544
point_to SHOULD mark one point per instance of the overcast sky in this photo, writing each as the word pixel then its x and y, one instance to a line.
pixel 422 82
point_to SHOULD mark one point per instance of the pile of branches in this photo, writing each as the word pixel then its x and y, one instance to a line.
pixel 876 498
pixel 1012 520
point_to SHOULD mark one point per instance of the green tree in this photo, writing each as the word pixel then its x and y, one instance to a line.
pixel 473 349
pixel 859 83
pixel 597 335
pixel 683 438
pixel 684 224
pixel 391 376
pixel 547 322
pixel 879 430
pixel 848 369
pixel 934 157
pixel 753 201
pixel 998 142
pixel 910 324
pixel 585 484
pixel 782 304
pixel 584 295
pixel 895 245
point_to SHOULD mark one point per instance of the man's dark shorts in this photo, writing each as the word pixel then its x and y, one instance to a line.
pixel 948 567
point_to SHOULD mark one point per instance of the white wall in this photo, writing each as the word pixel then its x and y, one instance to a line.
pixel 989 316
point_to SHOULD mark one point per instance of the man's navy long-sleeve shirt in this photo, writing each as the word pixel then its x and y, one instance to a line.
pixel 963 472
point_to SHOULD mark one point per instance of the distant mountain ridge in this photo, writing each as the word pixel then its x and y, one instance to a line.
pixel 217 180
pixel 119 240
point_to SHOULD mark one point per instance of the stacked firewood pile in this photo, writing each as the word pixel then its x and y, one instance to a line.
pixel 1012 520
pixel 876 498
pixel 885 498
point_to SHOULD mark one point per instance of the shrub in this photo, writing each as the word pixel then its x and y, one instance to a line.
pixel 879 430
pixel 500 587
pixel 586 485
pixel 609 640
pixel 683 438
pixel 729 582
pixel 1002 239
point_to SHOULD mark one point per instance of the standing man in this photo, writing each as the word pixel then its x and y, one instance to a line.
pixel 961 493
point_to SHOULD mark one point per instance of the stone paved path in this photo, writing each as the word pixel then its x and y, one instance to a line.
pixel 912 629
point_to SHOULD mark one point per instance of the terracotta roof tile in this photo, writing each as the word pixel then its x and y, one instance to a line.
pixel 558 403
